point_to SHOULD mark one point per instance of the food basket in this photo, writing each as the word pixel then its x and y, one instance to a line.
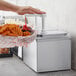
pixel 11 41
pixel 7 41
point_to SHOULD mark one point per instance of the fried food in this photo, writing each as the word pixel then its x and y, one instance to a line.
pixel 12 30
pixel 0 27
pixel 3 29
pixel 27 33
pixel 18 31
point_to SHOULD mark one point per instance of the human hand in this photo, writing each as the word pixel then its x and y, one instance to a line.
pixel 28 10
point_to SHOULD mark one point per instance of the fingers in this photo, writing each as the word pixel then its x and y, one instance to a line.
pixel 26 12
pixel 37 11
pixel 29 10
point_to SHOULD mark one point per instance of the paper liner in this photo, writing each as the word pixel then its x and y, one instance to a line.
pixel 9 41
